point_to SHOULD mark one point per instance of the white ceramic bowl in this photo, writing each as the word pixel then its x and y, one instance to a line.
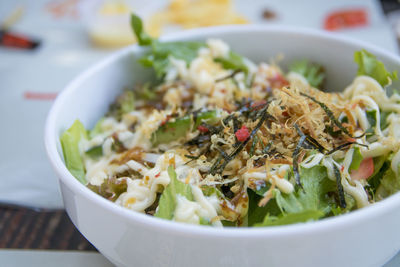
pixel 367 237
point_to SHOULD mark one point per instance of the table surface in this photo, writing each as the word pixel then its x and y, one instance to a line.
pixel 27 229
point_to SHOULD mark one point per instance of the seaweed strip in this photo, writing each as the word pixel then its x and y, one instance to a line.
pixel 342 200
pixel 227 119
pixel 253 145
pixel 295 157
pixel 315 143
pixel 223 154
pixel 343 146
pixel 205 150
pixel 309 142
pixel 192 157
pixel 214 167
pixel 236 124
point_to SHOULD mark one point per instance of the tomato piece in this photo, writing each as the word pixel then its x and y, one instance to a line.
pixel 365 170
pixel 242 134
pixel 202 129
pixel 343 19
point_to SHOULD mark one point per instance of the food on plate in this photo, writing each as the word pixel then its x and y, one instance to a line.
pixel 216 139
pixel 193 14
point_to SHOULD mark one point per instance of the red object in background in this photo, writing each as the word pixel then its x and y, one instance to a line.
pixel 345 19
pixel 63 8
pixel 17 41
pixel 39 96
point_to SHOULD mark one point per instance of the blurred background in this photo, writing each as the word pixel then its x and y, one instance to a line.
pixel 44 44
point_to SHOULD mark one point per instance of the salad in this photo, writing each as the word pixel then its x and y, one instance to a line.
pixel 216 139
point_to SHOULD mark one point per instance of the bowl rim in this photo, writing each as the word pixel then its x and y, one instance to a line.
pixel 337 222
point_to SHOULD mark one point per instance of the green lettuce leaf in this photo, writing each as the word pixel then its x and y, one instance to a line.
pixel 158 57
pixel 310 203
pixel 179 127
pixel 168 201
pixel 369 65
pixel 291 218
pixel 350 205
pixel 356 161
pixel 390 184
pixel 233 62
pixel 160 52
pixel 204 221
pixel 70 140
pixel 313 72
pixel 125 103
pixel 111 188
pixel 95 152
pixel 211 190
pixel 96 129
pixel 146 92
pixel 137 26
pixel 381 165
pixel 384 122
pixel 228 223
pixel 313 196
pixel 257 214
pixel 263 189
pixel 371 116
